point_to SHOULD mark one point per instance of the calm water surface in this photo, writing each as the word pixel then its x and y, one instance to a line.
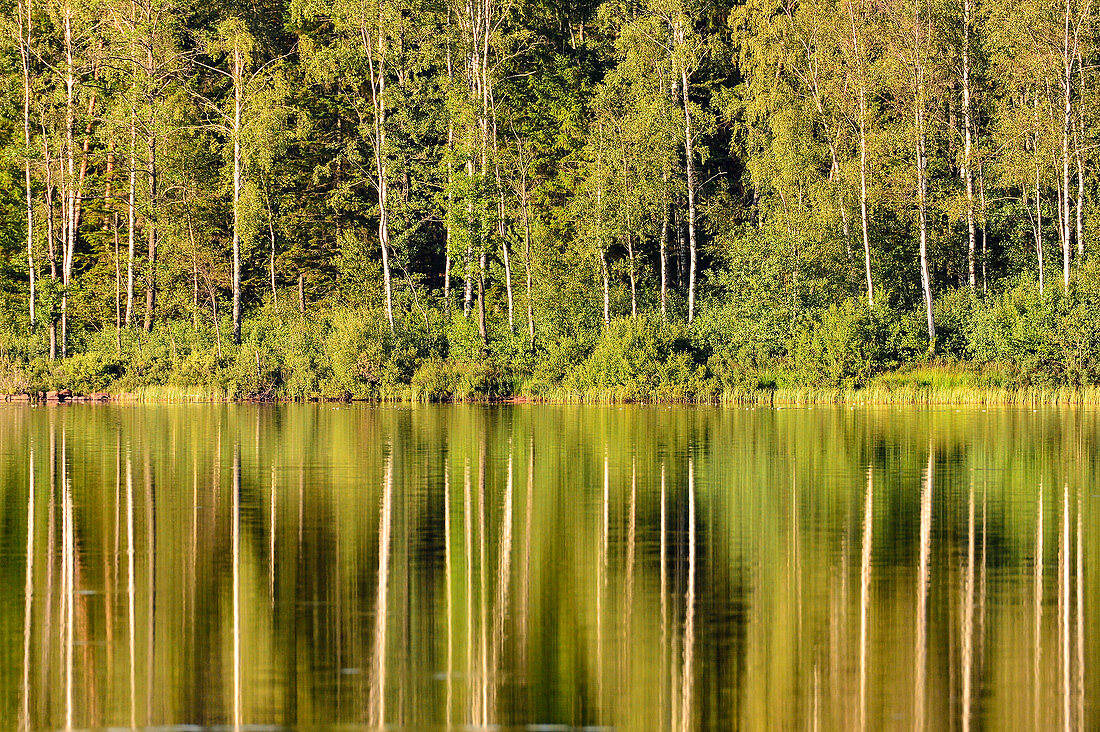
pixel 312 566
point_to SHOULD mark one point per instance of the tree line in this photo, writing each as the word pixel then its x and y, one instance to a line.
pixel 534 168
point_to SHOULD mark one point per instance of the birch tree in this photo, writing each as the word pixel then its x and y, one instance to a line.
pixel 913 42
pixel 253 91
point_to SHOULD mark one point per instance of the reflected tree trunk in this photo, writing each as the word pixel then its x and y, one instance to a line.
pixel 67 575
pixel 865 591
pixel 45 680
pixel 449 581
pixel 151 592
pixel 1063 608
pixel 665 690
pixel 601 589
pixel 1081 721
pixel 923 578
pixel 482 599
pixel 968 615
pixel 28 603
pixel 236 559
pixel 468 534
pixel 525 590
pixel 271 542
pixel 381 606
pixel 686 677
pixel 130 590
pixel 500 614
pixel 1037 631
pixel 628 620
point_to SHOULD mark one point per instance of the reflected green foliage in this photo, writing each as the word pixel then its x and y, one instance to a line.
pixel 641 568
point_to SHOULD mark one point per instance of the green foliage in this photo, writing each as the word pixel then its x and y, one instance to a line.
pixel 845 346
pixel 562 160
pixel 640 359
pixel 1045 339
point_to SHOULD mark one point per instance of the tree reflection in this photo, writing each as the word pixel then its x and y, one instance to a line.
pixel 673 570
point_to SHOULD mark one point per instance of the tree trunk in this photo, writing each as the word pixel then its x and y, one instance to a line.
pixel 864 219
pixel 507 262
pixel 664 220
pixel 468 295
pixel 606 288
pixel 151 231
pixel 194 267
pixel 603 250
pixel 378 91
pixel 110 224
pixel 926 279
pixel 502 229
pixel 131 218
pixel 633 283
pixel 920 110
pixel 481 326
pixel 302 292
pixel 681 248
pixel 1068 53
pixel 1079 137
pixel 689 156
pixel 527 266
pixel 448 219
pixel 664 250
pixel 214 317
pixel 447 278
pixel 51 251
pixel 237 103
pixel 1038 201
pixel 968 158
pixel 118 283
pixel 68 180
pixel 985 254
pixel 271 256
pixel 25 25
pixel 1080 205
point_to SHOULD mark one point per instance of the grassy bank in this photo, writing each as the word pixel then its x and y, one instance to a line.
pixel 1022 348
pixel 913 384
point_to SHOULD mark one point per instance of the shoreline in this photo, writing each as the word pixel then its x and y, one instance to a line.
pixel 910 395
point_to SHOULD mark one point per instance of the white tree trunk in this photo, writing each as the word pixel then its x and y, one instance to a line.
pixel 920 111
pixel 271 256
pixel 527 266
pixel 968 157
pixel 689 156
pixel 864 218
pixel 131 217
pixel 151 228
pixel 606 288
pixel 238 81
pixel 1038 204
pixel 1068 53
pixel 985 254
pixel 664 251
pixel 25 26
pixel 68 181
pixel 51 251
pixel 378 90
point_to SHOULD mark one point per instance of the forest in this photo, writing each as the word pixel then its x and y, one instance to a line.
pixel 637 200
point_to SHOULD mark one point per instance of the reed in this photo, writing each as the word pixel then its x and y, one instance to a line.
pixel 918 395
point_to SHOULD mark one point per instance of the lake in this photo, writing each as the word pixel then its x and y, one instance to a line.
pixel 546 567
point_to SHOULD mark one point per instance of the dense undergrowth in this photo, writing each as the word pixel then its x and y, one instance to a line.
pixel 1017 346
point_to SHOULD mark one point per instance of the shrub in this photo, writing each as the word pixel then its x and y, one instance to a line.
pixel 639 358
pixel 843 346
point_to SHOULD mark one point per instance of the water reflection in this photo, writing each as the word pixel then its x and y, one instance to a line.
pixel 450 567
